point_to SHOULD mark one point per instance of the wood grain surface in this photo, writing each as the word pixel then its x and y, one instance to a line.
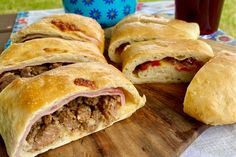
pixel 159 129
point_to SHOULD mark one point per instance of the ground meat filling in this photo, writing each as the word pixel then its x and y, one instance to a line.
pixel 7 77
pixel 81 114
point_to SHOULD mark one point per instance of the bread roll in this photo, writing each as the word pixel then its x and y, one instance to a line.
pixel 211 96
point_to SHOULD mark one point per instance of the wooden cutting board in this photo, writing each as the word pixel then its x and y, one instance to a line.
pixel 158 129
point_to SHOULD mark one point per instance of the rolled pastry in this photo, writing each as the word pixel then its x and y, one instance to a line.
pixel 189 27
pixel 137 28
pixel 66 26
pixel 63 105
pixel 34 57
pixel 169 61
pixel 211 95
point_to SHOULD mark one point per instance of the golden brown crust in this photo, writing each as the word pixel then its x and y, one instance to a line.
pixel 25 98
pixel 48 50
pixel 180 49
pixel 211 96
pixel 136 28
pixel 191 28
pixel 67 26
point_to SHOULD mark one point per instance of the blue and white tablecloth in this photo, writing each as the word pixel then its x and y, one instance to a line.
pixel 217 141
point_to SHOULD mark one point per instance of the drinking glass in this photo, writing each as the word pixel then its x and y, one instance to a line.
pixel 204 12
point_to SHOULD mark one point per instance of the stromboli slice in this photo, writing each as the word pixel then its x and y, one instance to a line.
pixel 36 56
pixel 47 111
pixel 164 60
pixel 136 31
pixel 66 26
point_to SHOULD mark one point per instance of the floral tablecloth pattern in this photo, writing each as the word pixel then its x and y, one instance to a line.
pixel 165 8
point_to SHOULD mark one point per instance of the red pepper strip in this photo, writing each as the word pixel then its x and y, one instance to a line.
pixel 188 64
pixel 145 65
pixel 155 63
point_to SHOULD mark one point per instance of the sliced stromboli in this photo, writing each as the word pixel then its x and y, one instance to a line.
pixel 190 28
pixel 164 60
pixel 66 26
pixel 136 31
pixel 63 105
pixel 34 57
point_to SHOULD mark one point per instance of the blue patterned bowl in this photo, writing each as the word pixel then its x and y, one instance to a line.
pixel 106 12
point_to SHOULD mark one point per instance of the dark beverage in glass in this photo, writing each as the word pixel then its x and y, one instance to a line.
pixel 205 12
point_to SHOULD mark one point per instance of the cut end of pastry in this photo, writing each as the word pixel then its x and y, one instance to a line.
pixel 7 77
pixel 84 98
pixel 168 61
pixel 77 118
pixel 18 61
pixel 167 70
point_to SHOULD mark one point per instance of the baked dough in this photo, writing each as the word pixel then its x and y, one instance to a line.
pixel 189 27
pixel 26 100
pixel 35 56
pixel 66 26
pixel 137 28
pixel 48 50
pixel 211 96
pixel 163 60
